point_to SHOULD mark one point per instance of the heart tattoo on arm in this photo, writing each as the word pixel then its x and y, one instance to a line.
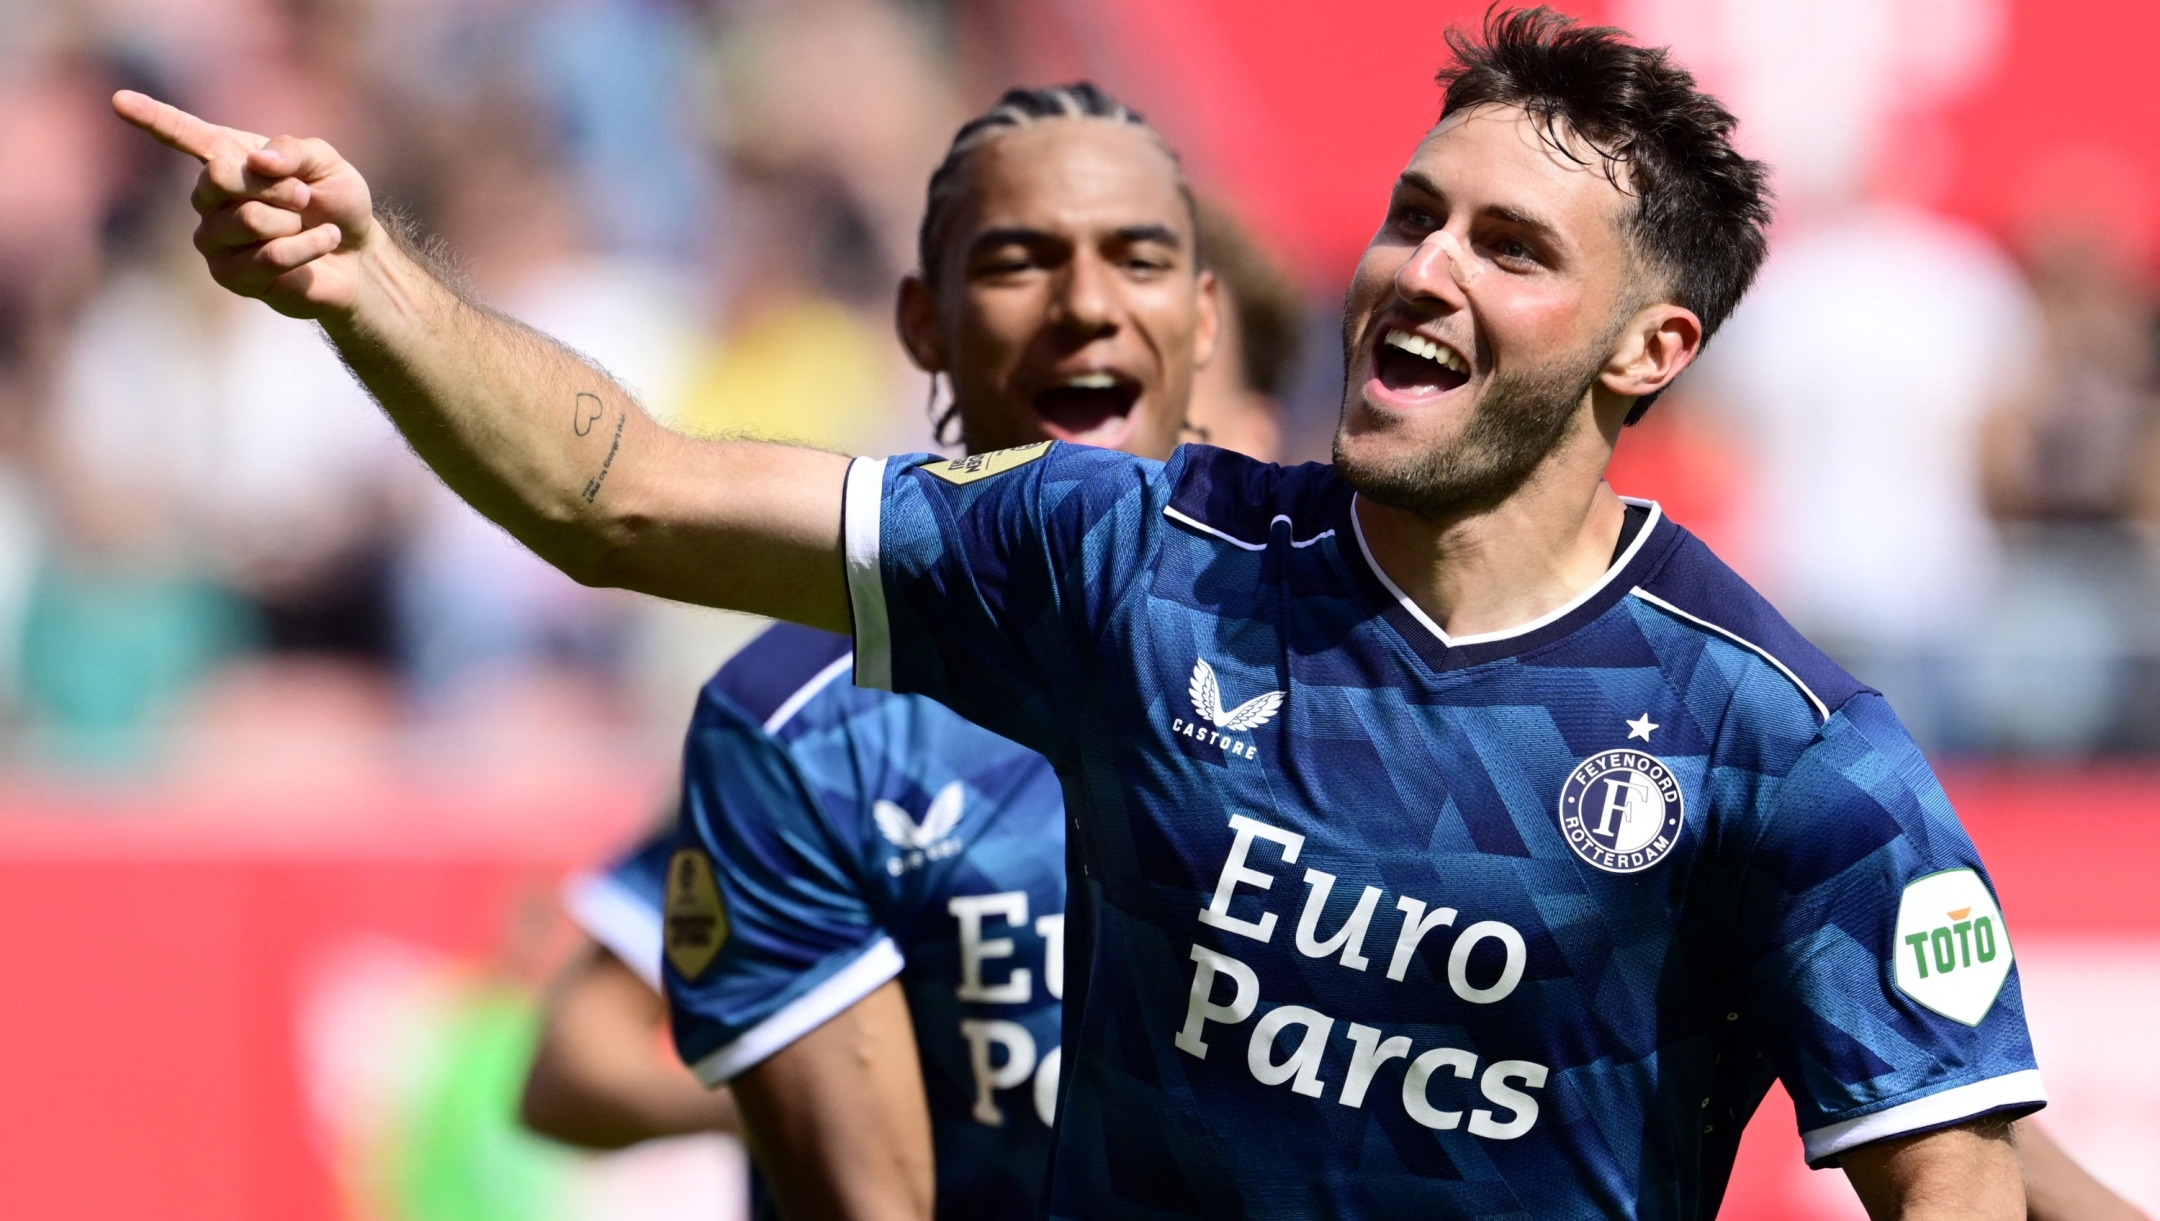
pixel 585 412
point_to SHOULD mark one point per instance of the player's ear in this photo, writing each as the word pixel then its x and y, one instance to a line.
pixel 922 332
pixel 1207 334
pixel 1655 345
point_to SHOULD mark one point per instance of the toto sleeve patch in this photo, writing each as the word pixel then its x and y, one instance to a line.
pixel 1952 952
pixel 982 466
pixel 696 922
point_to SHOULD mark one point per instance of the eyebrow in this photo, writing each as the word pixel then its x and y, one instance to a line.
pixel 1011 235
pixel 1132 234
pixel 1418 181
pixel 1021 235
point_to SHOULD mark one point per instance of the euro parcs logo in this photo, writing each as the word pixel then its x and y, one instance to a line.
pixel 1620 810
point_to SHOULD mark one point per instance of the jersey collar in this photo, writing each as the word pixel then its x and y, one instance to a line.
pixel 1444 652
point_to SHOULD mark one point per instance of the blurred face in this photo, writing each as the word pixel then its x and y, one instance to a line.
pixel 1497 294
pixel 1225 411
pixel 1068 304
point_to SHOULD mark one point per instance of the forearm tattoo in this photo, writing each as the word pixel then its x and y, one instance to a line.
pixel 592 487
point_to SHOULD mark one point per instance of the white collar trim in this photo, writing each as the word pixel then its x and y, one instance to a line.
pixel 1552 616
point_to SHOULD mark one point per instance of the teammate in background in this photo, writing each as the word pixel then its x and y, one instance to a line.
pixel 1237 397
pixel 863 901
pixel 602 1076
pixel 597 1078
pixel 1646 848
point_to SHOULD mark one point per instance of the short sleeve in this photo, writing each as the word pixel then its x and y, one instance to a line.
pixel 770 929
pixel 1879 962
pixel 985 582
pixel 619 906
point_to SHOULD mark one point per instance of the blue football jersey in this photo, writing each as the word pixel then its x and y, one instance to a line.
pixel 831 838
pixel 619 907
pixel 1371 921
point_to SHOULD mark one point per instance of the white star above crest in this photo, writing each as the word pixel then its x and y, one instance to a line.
pixel 1640 727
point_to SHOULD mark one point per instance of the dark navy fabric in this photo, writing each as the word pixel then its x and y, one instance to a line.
pixel 858 822
pixel 1341 957
pixel 867 823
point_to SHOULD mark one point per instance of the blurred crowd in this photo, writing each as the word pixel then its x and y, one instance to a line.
pixel 1938 451
pixel 204 521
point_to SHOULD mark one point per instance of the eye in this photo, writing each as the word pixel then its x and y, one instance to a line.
pixel 1005 263
pixel 1414 219
pixel 1514 250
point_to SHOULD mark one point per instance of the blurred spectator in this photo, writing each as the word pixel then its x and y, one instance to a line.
pixel 831 114
pixel 479 615
pixel 1862 365
pixel 620 77
pixel 2069 464
pixel 2074 442
pixel 219 476
pixel 849 94
pixel 1858 370
pixel 807 351
pixel 1237 397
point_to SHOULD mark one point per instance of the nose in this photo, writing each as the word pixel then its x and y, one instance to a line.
pixel 1436 271
pixel 1087 299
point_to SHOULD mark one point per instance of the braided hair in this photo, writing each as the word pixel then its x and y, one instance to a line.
pixel 1017 110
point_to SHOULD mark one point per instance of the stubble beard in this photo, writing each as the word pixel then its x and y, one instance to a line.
pixel 1518 422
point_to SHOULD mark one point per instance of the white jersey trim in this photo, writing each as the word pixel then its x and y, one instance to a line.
pixel 620 919
pixel 1822 710
pixel 1934 1111
pixel 862 507
pixel 858 979
pixel 1172 513
pixel 807 692
pixel 1627 557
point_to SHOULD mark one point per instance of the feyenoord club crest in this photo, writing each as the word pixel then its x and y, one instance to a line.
pixel 1620 810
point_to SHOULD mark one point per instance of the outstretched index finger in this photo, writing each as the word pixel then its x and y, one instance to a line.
pixel 177 129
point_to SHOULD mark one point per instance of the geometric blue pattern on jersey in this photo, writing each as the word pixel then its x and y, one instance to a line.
pixel 844 824
pixel 1344 961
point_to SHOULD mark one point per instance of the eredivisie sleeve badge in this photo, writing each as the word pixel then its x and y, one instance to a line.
pixel 1621 810
pixel 968 469
pixel 696 924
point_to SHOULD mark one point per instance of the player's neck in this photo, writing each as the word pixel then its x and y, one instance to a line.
pixel 1490 571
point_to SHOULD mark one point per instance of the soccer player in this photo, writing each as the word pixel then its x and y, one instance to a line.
pixel 600 1077
pixel 1450 836
pixel 865 882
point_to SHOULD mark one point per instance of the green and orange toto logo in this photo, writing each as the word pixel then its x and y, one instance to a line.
pixel 1952 952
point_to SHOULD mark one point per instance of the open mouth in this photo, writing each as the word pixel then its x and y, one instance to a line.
pixel 1415 366
pixel 1093 408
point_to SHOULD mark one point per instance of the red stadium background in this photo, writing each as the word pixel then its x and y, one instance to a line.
pixel 161 944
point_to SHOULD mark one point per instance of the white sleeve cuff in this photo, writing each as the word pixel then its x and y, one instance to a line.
pixel 862 509
pixel 1937 1110
pixel 618 918
pixel 804 1014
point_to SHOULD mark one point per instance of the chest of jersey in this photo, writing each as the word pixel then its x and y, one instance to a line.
pixel 1403 895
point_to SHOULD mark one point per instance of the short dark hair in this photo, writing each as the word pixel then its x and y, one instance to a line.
pixel 1268 305
pixel 1700 207
pixel 1016 110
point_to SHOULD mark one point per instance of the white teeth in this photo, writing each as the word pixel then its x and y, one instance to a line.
pixel 1418 345
pixel 1092 381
